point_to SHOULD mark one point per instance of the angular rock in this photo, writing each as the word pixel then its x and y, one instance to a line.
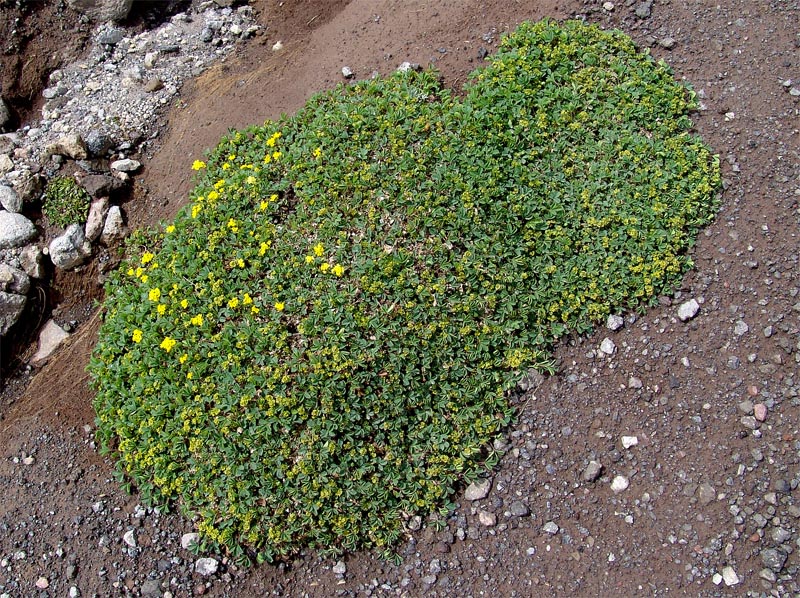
pixel 688 310
pixel 667 42
pixel 629 441
pixel 70 249
pixel 7 143
pixel 96 219
pixel 729 576
pixel 6 164
pixel 111 37
pixel 607 347
pixel 13 280
pixel 206 566
pixel 98 144
pixel 706 493
pixel 11 306
pixel 50 338
pixel 741 328
pixel 30 187
pixel 10 199
pixel 774 559
pixel 126 165
pixel 619 484
pixel 103 10
pixel 592 471
pixel 101 185
pixel 154 85
pixel 339 569
pixel 519 509
pixel 187 540
pixel 644 9
pixel 615 322
pixel 114 228
pixel 487 518
pixel 32 262
pixel 15 230
pixel 550 528
pixel 760 411
pixel 71 146
pixel 478 490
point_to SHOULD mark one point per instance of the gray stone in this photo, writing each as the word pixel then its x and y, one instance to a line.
pixel 111 37
pixel 126 165
pixel 101 185
pixel 11 306
pixel 644 9
pixel 102 10
pixel 10 199
pixel 5 114
pixel 550 528
pixel 780 535
pixel 688 310
pixel 96 219
pixel 619 484
pixel 768 575
pixel 741 328
pixel 50 338
pixel 592 471
pixel 154 85
pixel 532 380
pixel 15 230
pixel 70 249
pixel 13 280
pixel 187 540
pixel 615 322
pixel 114 228
pixel 519 509
pixel 339 569
pixel 667 42
pixel 98 144
pixel 30 187
pixel 347 72
pixel 746 407
pixel 32 261
pixel 487 518
pixel 206 566
pixel 7 143
pixel 71 146
pixel 6 164
pixel 773 559
pixel 706 493
pixel 408 66
pixel 151 587
pixel 608 347
pixel 478 490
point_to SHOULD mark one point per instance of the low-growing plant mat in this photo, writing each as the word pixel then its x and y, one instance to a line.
pixel 324 341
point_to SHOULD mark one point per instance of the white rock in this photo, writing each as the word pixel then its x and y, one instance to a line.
pixel 277 46
pixel 150 59
pixel 96 219
pixel 6 164
pixel 347 72
pixel 619 484
pixel 42 583
pixel 74 592
pixel 741 328
pixel 50 338
pixel 339 568
pixel 608 6
pixel 129 538
pixel 487 518
pixel 10 199
pixel 550 528
pixel 478 490
pixel 188 539
pixel 15 230
pixel 615 322
pixel 608 347
pixel 729 576
pixel 688 310
pixel 126 165
pixel 629 441
pixel 716 578
pixel 70 249
pixel 235 29
pixel 103 10
pixel 31 260
pixel 114 228
pixel 206 566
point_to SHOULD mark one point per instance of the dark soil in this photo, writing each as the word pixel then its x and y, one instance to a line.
pixel 676 386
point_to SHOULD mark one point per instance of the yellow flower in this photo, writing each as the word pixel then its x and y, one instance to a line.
pixel 184 303
pixel 240 263
pixel 219 184
pixel 251 180
pixel 197 320
pixel 254 309
pixel 154 294
pixel 171 228
pixel 161 309
pixel 309 259
pixel 338 270
pixel 145 277
pixel 168 343
pixel 195 210
pixel 213 195
pixel 267 159
pixel 183 358
pixel 276 156
pixel 318 152
pixel 273 197
pixel 137 336
pixel 233 303
pixel 264 205
pixel 325 266
pixel 233 225
pixel 247 299
pixel 319 250
pixel 232 157
pixel 264 247
pixel 198 165
pixel 226 166
pixel 279 305
pixel 189 376
pixel 147 258
pixel 130 272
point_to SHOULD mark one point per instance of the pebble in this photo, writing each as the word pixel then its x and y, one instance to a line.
pixel 188 539
pixel 729 576
pixel 635 383
pixel 592 471
pixel 277 46
pixel 206 566
pixel 629 441
pixel 519 509
pixel 126 165
pixel 741 328
pixel 608 6
pixel 42 583
pixel 706 493
pixel 619 484
pixel 760 412
pixel 487 518
pixel 50 338
pixel 74 592
pixel 608 347
pixel 10 199
pixel 643 10
pixel 688 310
pixel 615 322
pixel 774 559
pixel 339 569
pixel 347 72
pixel 478 490
pixel 667 43
pixel 550 528
pixel 129 538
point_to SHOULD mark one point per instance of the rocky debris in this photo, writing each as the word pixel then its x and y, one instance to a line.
pixel 688 310
pixel 339 569
pixel 550 528
pixel 13 280
pixel 71 146
pixel 71 249
pixel 11 306
pixel 101 185
pixel 206 566
pixel 126 165
pixel 729 576
pixel 487 518
pixel 10 199
pixel 592 471
pixel 774 559
pixel 15 230
pixel 629 441
pixel 644 9
pixel 478 490
pixel 50 338
pixel 607 347
pixel 114 228
pixel 668 43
